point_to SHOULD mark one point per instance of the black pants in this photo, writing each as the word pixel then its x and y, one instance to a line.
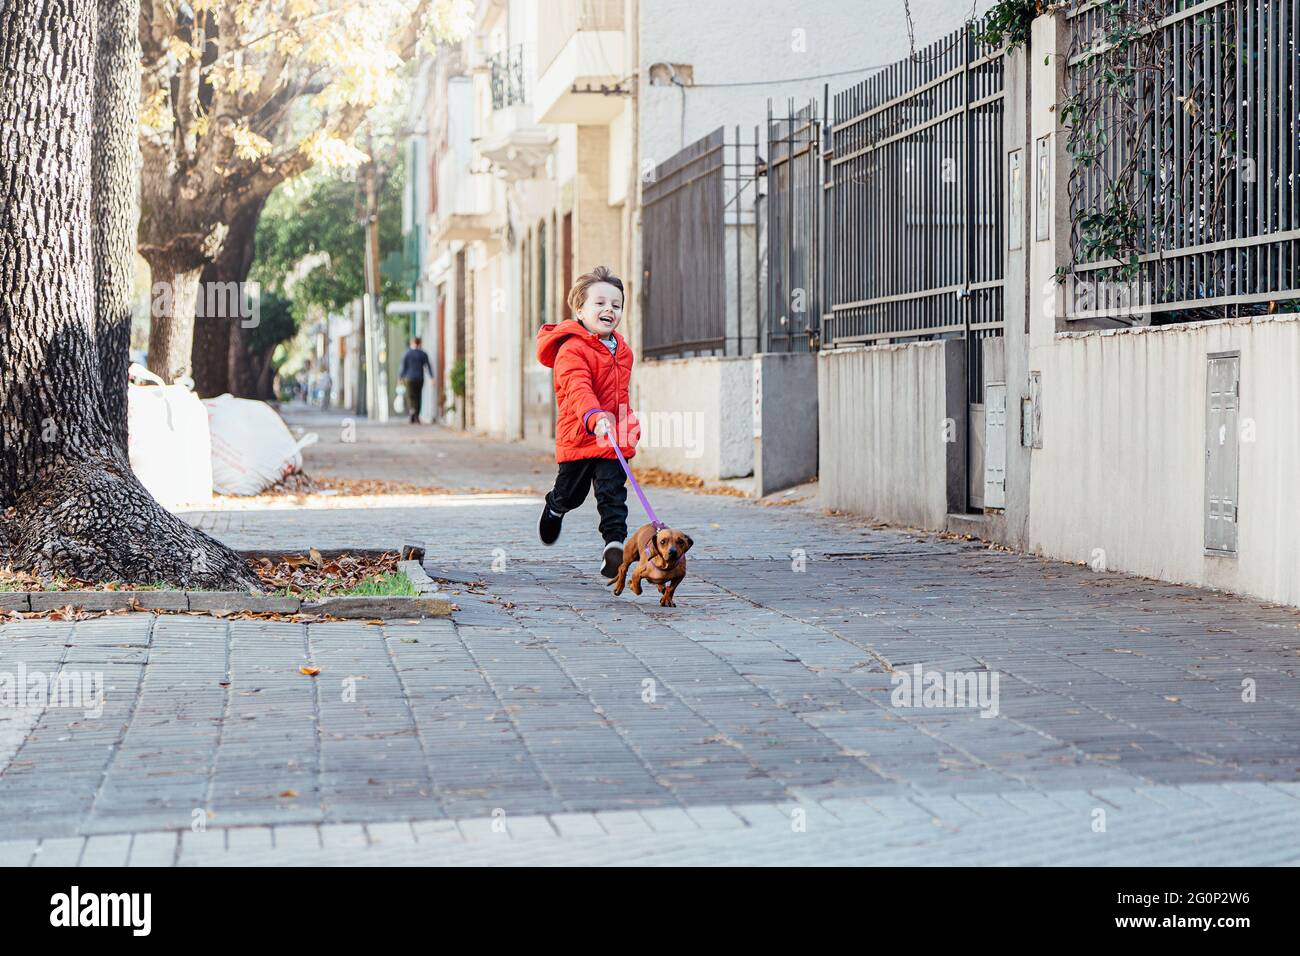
pixel 414 397
pixel 575 480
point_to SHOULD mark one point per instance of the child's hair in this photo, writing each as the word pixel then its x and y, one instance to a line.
pixel 578 294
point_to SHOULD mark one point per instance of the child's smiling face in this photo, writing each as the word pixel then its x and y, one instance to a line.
pixel 603 310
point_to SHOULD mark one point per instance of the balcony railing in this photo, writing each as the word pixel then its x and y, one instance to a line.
pixel 507 78
pixel 564 18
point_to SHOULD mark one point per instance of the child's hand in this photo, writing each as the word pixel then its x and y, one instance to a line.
pixel 602 426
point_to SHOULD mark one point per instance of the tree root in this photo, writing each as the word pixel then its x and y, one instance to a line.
pixel 94 521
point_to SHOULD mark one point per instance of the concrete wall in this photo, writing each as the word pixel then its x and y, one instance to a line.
pixel 697 416
pixel 785 450
pixel 892 431
pixel 1120 479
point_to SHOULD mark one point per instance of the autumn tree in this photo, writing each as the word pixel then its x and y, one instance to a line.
pixel 310 238
pixel 238 97
pixel 69 502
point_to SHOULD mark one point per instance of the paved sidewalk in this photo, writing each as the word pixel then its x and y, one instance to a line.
pixel 605 730
pixel 1155 826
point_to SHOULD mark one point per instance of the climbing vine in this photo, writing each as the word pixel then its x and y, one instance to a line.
pixel 1108 113
pixel 1009 22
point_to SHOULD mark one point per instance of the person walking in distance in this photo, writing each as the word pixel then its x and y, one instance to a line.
pixel 414 364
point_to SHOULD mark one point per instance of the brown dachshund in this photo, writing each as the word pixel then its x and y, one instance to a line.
pixel 660 558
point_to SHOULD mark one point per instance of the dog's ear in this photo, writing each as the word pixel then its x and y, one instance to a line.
pixel 689 542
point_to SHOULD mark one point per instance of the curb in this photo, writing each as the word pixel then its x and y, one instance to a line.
pixel 424 605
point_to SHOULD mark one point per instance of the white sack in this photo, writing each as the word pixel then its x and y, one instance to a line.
pixel 168 442
pixel 252 447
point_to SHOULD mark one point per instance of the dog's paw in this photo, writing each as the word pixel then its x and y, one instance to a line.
pixel 636 588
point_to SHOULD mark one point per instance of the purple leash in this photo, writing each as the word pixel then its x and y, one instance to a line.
pixel 654 521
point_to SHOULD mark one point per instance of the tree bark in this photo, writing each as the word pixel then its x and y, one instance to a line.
pixel 174 289
pixel 115 197
pixel 243 363
pixel 266 377
pixel 71 504
pixel 212 356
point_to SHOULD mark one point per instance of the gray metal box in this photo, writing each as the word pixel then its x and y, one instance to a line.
pixel 1222 395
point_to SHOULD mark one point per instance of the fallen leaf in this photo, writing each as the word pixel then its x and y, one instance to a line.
pixel 310 671
pixel 288 793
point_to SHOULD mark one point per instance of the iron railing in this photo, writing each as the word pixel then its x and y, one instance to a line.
pixel 507 78
pixel 914 221
pixel 684 252
pixel 794 236
pixel 1202 151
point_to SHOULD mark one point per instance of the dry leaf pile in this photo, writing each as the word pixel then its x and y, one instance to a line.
pixel 300 490
pixel 12 580
pixel 70 613
pixel 361 487
pixel 679 479
pixel 300 574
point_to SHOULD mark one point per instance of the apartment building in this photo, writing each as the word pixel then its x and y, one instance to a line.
pixel 527 177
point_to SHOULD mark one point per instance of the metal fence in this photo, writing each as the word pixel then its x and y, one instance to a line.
pixel 700 221
pixel 914 221
pixel 1202 152
pixel 684 252
pixel 507 77
pixel 793 205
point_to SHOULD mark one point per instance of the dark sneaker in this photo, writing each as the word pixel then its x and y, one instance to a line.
pixel 611 559
pixel 548 525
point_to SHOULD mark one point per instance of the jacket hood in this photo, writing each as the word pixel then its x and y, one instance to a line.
pixel 551 336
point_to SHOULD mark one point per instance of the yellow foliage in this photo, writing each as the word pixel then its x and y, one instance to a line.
pixel 244 11
pixel 181 50
pixel 453 18
pixel 248 145
pixel 235 79
pixel 325 149
pixel 289 44
pixel 348 46
pixel 155 113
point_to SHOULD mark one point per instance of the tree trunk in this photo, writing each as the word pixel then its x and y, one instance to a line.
pixel 115 197
pixel 211 354
pixel 212 357
pixel 243 372
pixel 266 376
pixel 77 508
pixel 174 289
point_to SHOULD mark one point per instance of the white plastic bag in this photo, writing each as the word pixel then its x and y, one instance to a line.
pixel 167 440
pixel 252 447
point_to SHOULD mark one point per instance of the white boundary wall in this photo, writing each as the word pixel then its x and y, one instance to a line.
pixel 1120 479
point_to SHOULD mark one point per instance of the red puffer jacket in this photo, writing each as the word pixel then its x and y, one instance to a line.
pixel 588 379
